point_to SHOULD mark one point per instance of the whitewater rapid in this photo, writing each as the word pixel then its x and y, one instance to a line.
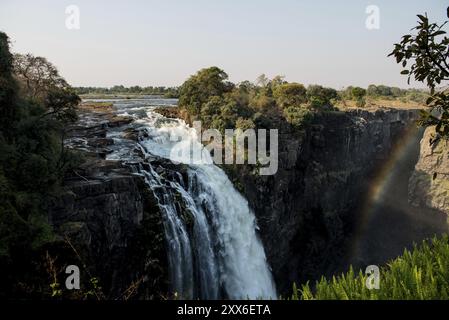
pixel 220 256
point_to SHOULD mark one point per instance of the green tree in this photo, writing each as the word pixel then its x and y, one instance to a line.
pixel 320 97
pixel 372 91
pixel 397 92
pixel 41 83
pixel 61 104
pixel 424 57
pixel 358 95
pixel 260 102
pixel 197 90
pixel 290 94
pixel 37 76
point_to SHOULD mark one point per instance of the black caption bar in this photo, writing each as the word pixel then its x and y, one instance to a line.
pixel 243 309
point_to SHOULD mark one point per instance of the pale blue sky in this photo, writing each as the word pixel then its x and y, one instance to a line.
pixel 163 42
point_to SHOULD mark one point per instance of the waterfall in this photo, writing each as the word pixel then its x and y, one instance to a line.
pixel 213 248
pixel 241 258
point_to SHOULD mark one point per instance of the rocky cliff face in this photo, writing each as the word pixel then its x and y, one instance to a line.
pixel 307 211
pixel 429 184
pixel 114 224
pixel 110 218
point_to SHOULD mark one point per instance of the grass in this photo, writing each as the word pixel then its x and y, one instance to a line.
pixel 419 274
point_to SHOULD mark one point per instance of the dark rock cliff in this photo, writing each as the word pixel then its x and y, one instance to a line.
pixel 307 210
pixel 110 218
pixel 114 224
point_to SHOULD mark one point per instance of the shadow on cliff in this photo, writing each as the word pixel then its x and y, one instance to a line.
pixel 390 223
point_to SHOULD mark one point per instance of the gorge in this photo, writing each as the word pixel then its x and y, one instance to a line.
pixel 312 215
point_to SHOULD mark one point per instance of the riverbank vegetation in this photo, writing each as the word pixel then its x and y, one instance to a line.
pixel 121 91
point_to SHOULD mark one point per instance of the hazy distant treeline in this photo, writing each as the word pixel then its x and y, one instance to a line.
pixel 169 92
pixel 417 95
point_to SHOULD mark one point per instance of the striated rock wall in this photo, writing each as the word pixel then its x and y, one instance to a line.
pixel 110 217
pixel 429 184
pixel 115 225
pixel 306 212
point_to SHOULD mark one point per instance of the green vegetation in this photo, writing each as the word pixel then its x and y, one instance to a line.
pixel 36 104
pixel 274 103
pixel 359 96
pixel 120 90
pixel 322 98
pixel 209 96
pixel 289 94
pixel 381 95
pixel 426 55
pixel 421 274
pixel 413 95
pixel 207 84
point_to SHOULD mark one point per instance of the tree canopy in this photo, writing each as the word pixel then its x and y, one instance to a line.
pixel 321 97
pixel 424 55
pixel 290 94
pixel 205 84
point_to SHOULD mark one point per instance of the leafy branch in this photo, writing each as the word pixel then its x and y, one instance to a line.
pixel 427 53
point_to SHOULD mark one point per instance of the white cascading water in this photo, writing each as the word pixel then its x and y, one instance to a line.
pixel 219 255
